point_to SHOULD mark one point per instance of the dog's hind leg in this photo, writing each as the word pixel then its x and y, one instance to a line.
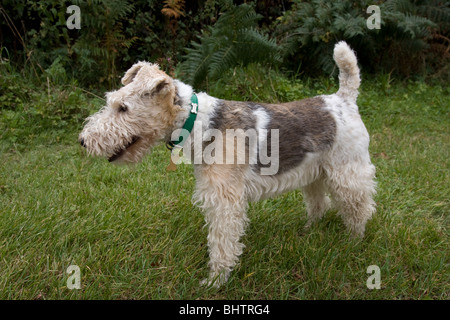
pixel 317 202
pixel 352 187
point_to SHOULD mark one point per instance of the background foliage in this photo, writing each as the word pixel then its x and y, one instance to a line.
pixel 211 36
pixel 412 40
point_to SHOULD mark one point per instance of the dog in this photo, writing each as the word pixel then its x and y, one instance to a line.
pixel 245 151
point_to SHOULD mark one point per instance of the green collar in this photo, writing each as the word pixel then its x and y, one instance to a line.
pixel 188 125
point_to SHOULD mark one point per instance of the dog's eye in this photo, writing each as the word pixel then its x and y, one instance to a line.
pixel 123 108
pixel 146 95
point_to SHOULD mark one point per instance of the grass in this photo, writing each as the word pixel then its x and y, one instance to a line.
pixel 135 235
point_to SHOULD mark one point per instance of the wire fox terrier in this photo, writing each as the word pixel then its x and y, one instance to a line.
pixel 318 144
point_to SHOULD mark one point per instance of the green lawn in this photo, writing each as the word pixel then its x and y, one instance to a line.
pixel 135 234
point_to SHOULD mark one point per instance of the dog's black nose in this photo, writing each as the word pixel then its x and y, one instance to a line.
pixel 82 143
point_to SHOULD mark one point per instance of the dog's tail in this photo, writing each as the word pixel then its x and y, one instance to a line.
pixel 349 79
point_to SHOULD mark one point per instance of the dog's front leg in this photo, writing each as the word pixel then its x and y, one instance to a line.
pixel 226 226
pixel 220 193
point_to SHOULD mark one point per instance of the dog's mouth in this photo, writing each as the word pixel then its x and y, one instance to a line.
pixel 121 151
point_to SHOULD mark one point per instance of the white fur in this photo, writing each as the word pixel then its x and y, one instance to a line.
pixel 262 120
pixel 349 79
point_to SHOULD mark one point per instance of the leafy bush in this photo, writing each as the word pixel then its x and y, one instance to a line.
pixel 114 35
pixel 413 39
pixel 310 29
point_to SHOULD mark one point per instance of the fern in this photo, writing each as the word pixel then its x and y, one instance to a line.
pixel 401 15
pixel 233 40
pixel 173 8
pixel 310 29
pixel 105 39
pixel 316 25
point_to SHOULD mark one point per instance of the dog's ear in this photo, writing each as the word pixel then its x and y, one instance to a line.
pixel 161 86
pixel 132 72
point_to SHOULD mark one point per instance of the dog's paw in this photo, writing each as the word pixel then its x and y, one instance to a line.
pixel 210 283
pixel 215 280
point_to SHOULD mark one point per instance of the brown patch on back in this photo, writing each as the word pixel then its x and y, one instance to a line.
pixel 234 115
pixel 304 127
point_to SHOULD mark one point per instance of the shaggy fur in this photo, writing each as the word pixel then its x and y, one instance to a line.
pixel 318 144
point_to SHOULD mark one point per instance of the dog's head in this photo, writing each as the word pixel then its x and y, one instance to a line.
pixel 135 118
